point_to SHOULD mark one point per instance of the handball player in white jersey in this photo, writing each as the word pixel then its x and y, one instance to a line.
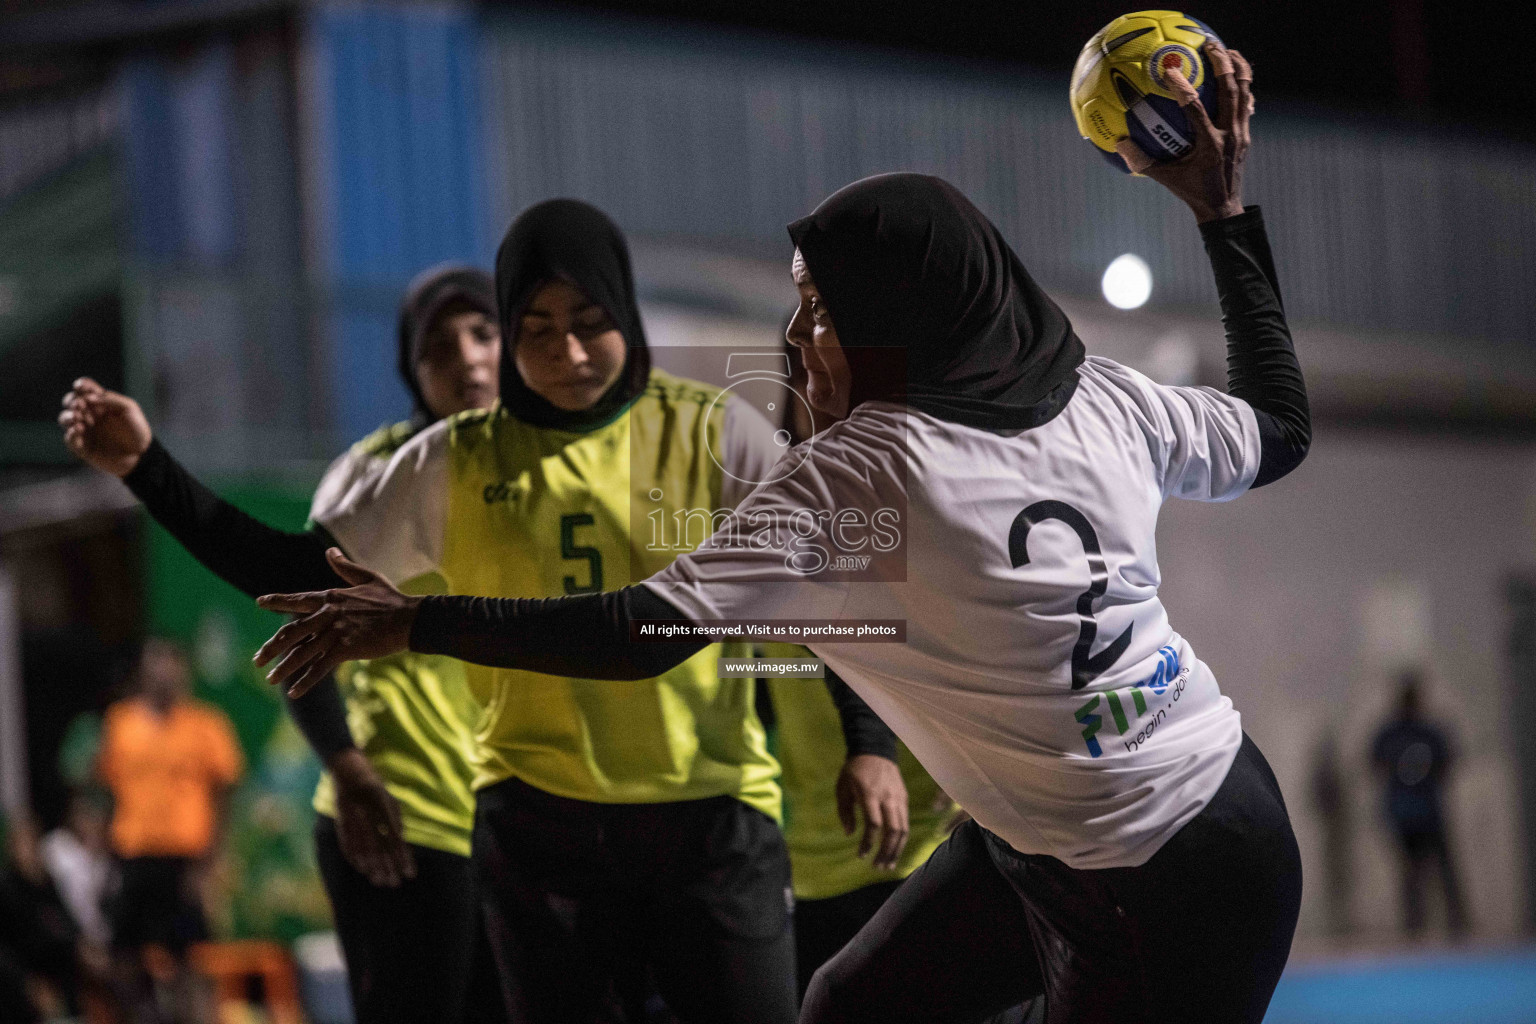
pixel 1130 857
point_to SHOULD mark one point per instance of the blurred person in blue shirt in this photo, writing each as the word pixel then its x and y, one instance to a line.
pixel 1415 756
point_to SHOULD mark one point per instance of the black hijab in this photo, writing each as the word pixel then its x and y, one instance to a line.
pixel 425 297
pixel 906 261
pixel 568 240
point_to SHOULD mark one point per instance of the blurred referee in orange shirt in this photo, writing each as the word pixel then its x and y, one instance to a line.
pixel 170 763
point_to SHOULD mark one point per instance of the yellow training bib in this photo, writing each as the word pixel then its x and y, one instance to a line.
pixel 413 718
pixel 825 862
pixel 535 512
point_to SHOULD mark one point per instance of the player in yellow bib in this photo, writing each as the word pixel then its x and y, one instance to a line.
pixel 395 734
pixel 841 875
pixel 615 826
pixel 838 885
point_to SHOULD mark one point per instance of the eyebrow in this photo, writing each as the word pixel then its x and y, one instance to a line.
pixel 550 316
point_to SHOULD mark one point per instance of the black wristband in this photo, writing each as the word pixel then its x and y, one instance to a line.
pixel 1250 218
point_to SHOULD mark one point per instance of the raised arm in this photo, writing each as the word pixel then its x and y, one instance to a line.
pixel 1261 362
pixel 109 431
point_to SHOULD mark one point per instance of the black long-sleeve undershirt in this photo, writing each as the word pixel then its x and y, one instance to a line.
pixel 513 633
pixel 243 551
pixel 250 556
pixel 322 718
pixel 864 731
pixel 1261 362
pixel 588 636
pixel 260 559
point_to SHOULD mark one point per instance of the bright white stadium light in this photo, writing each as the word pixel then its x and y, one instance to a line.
pixel 1127 282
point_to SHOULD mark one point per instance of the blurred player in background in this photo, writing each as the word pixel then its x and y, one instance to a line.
pixel 1414 756
pixel 47 966
pixel 395 804
pixel 614 826
pixel 77 854
pixel 170 763
pixel 843 872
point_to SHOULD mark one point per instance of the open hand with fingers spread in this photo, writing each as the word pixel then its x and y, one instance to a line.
pixel 370 619
pixel 1210 177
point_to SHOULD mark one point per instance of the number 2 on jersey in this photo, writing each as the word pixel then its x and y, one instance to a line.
pixel 571 550
pixel 1086 666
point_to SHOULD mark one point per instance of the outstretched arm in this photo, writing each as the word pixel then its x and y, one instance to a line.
pixel 586 636
pixel 241 550
pixel 109 431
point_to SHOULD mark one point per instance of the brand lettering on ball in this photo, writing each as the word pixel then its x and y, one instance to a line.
pixel 1172 141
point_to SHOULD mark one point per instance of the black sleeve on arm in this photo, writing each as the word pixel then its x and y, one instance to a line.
pixel 1261 362
pixel 244 552
pixel 863 730
pixel 251 556
pixel 586 636
pixel 322 718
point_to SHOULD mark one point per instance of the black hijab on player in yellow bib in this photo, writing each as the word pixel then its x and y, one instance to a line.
pixel 566 239
pixel 905 261
pixel 428 294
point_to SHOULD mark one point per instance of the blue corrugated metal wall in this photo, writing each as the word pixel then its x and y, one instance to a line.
pixel 39 135
pixel 182 155
pixel 399 125
pixel 218 315
pixel 426 129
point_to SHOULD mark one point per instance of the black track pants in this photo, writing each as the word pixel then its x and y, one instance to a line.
pixel 412 951
pixel 590 907
pixel 1199 933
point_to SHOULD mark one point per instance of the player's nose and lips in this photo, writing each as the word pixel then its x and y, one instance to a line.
pixel 460 360
pixel 828 377
pixel 568 348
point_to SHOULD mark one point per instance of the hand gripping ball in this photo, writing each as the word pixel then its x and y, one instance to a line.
pixel 1120 84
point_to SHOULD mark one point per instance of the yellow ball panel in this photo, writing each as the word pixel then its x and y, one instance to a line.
pixel 1102 123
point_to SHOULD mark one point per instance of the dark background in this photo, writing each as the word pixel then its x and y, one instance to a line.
pixel 1466 64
